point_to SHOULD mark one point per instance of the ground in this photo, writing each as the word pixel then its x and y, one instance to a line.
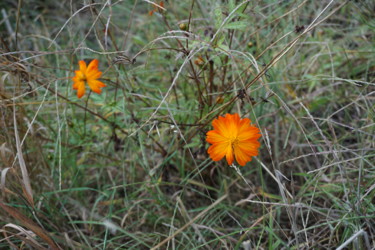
pixel 128 168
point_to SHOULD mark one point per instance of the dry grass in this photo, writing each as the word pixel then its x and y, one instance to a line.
pixel 128 169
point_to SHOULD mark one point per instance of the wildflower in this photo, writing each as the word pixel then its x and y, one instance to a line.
pixel 233 137
pixel 199 61
pixel 88 74
pixel 156 8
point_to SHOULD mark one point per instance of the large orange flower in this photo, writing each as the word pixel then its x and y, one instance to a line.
pixel 233 137
pixel 88 74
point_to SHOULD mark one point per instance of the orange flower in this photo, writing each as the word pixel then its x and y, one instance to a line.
pixel 90 75
pixel 151 12
pixel 233 137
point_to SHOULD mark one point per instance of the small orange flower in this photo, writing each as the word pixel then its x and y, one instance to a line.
pixel 151 12
pixel 88 74
pixel 233 137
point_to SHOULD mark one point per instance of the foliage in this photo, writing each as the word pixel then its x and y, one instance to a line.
pixel 129 169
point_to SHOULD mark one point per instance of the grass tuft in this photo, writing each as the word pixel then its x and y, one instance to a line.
pixel 129 168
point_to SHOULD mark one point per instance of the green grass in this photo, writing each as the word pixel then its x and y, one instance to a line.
pixel 129 169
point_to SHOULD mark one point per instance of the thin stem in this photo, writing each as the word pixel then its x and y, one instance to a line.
pixel 84 125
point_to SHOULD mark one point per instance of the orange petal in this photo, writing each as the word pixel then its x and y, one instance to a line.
pixel 250 133
pixel 249 147
pixel 217 151
pixel 81 90
pixel 241 157
pixel 93 75
pixel 76 84
pixel 95 86
pixel 93 65
pixel 235 117
pixel 99 83
pixel 214 137
pixel 244 123
pixel 79 74
pixel 82 67
pixel 232 122
pixel 219 125
pixel 229 155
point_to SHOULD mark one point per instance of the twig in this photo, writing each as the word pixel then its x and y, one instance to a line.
pixel 353 237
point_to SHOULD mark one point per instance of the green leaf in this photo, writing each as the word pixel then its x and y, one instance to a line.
pixel 220 39
pixel 218 17
pixel 217 61
pixel 231 5
pixel 240 25
pixel 192 144
pixel 138 40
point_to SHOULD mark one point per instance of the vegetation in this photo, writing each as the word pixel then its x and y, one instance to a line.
pixel 128 168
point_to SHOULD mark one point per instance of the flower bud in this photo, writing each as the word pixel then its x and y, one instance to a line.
pixel 182 26
pixel 219 100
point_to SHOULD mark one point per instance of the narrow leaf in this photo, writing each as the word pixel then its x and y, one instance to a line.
pixel 29 224
pixel 25 176
pixel 240 25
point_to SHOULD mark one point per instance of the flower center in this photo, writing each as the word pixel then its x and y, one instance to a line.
pixel 234 141
pixel 83 78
